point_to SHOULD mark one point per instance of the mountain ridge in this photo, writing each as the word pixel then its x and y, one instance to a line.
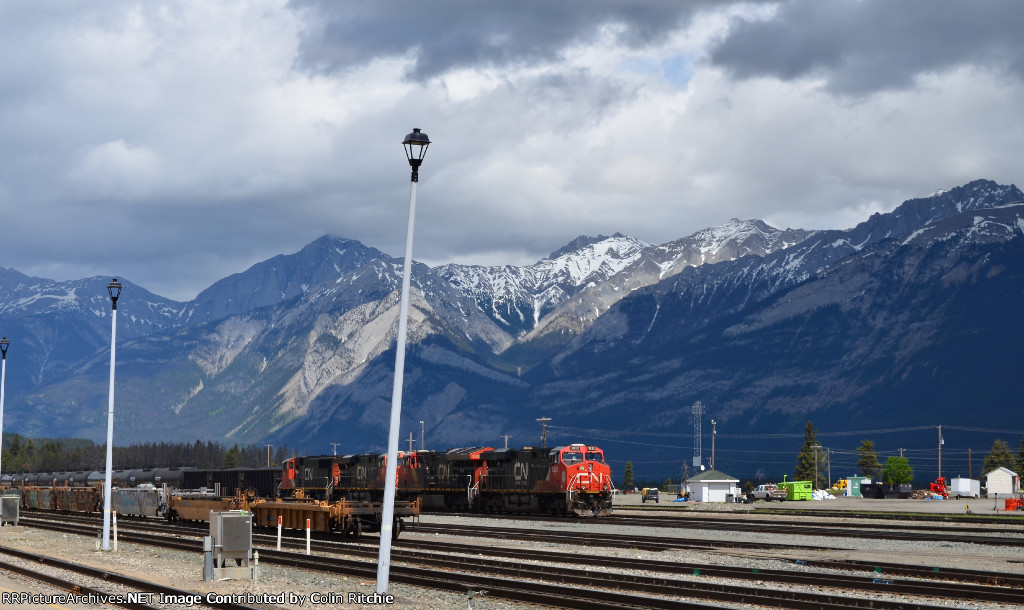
pixel 614 330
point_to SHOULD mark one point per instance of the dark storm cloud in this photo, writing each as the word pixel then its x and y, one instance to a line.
pixel 451 34
pixel 176 143
pixel 872 45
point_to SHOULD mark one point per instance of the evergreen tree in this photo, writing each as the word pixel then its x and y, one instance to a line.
pixel 868 463
pixel 897 471
pixel 1020 457
pixel 231 458
pixel 810 464
pixel 999 455
pixel 627 476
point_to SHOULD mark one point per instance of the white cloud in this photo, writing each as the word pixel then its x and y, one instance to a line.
pixel 197 133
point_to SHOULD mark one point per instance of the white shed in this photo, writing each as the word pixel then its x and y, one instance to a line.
pixel 1002 483
pixel 712 486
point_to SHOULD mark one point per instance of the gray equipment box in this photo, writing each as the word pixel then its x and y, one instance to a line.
pixel 9 507
pixel 230 542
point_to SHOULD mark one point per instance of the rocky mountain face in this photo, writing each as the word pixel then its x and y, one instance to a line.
pixel 871 324
pixel 899 318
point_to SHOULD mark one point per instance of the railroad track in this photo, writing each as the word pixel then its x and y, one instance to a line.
pixel 698 582
pixel 131 592
pixel 903 531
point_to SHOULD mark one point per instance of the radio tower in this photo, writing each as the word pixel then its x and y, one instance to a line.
pixel 698 413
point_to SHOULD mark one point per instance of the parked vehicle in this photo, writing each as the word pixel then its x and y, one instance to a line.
pixel 767 492
pixel 649 493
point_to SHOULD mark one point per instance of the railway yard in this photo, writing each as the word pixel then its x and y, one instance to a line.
pixel 847 553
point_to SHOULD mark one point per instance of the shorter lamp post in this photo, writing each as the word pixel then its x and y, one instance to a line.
pixel 114 290
pixel 4 344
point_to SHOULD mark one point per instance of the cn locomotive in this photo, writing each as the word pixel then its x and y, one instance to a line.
pixel 571 479
pixel 343 493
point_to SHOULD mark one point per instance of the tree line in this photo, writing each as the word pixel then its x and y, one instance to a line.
pixel 23 454
pixel 812 465
pixel 896 470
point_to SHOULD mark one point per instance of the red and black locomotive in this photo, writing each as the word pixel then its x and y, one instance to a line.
pixel 571 479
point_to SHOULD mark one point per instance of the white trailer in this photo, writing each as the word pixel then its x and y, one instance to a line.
pixel 960 487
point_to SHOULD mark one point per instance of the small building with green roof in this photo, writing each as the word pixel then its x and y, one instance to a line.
pixel 712 486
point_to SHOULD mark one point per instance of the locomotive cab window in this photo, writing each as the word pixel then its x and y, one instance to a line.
pixel 595 456
pixel 572 457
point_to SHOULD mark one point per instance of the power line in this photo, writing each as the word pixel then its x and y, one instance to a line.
pixel 745 436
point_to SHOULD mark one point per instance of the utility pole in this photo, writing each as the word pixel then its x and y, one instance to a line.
pixel 410 442
pixel 268 454
pixel 423 435
pixel 714 433
pixel 970 467
pixel 941 441
pixel 815 485
pixel 901 451
pixel 506 439
pixel 828 457
pixel 335 446
pixel 544 430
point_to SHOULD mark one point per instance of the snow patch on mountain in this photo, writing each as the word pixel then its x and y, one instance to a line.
pixel 519 297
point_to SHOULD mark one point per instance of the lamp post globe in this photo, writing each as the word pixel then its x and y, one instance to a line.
pixel 415 144
pixel 114 290
pixel 4 344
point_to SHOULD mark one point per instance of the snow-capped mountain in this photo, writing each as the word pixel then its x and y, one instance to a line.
pixel 22 296
pixel 766 324
pixel 838 326
pixel 732 240
pixel 569 289
pixel 517 298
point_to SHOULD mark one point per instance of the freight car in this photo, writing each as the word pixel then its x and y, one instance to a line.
pixel 259 482
pixel 571 479
pixel 119 478
pixel 60 492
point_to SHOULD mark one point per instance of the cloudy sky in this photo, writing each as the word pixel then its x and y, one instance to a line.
pixel 175 143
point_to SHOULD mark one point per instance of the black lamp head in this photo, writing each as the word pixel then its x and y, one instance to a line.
pixel 416 144
pixel 114 290
pixel 4 344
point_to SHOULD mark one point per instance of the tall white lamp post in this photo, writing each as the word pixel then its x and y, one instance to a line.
pixel 416 144
pixel 114 290
pixel 4 344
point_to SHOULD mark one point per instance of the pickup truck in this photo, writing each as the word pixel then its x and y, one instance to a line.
pixel 767 493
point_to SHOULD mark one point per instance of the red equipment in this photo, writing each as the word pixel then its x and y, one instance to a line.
pixel 939 487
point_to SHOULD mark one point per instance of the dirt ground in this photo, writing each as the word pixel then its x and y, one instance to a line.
pixel 978 506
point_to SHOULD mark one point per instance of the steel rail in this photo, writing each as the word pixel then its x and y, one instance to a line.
pixel 593 582
pixel 142 586
pixel 946 574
